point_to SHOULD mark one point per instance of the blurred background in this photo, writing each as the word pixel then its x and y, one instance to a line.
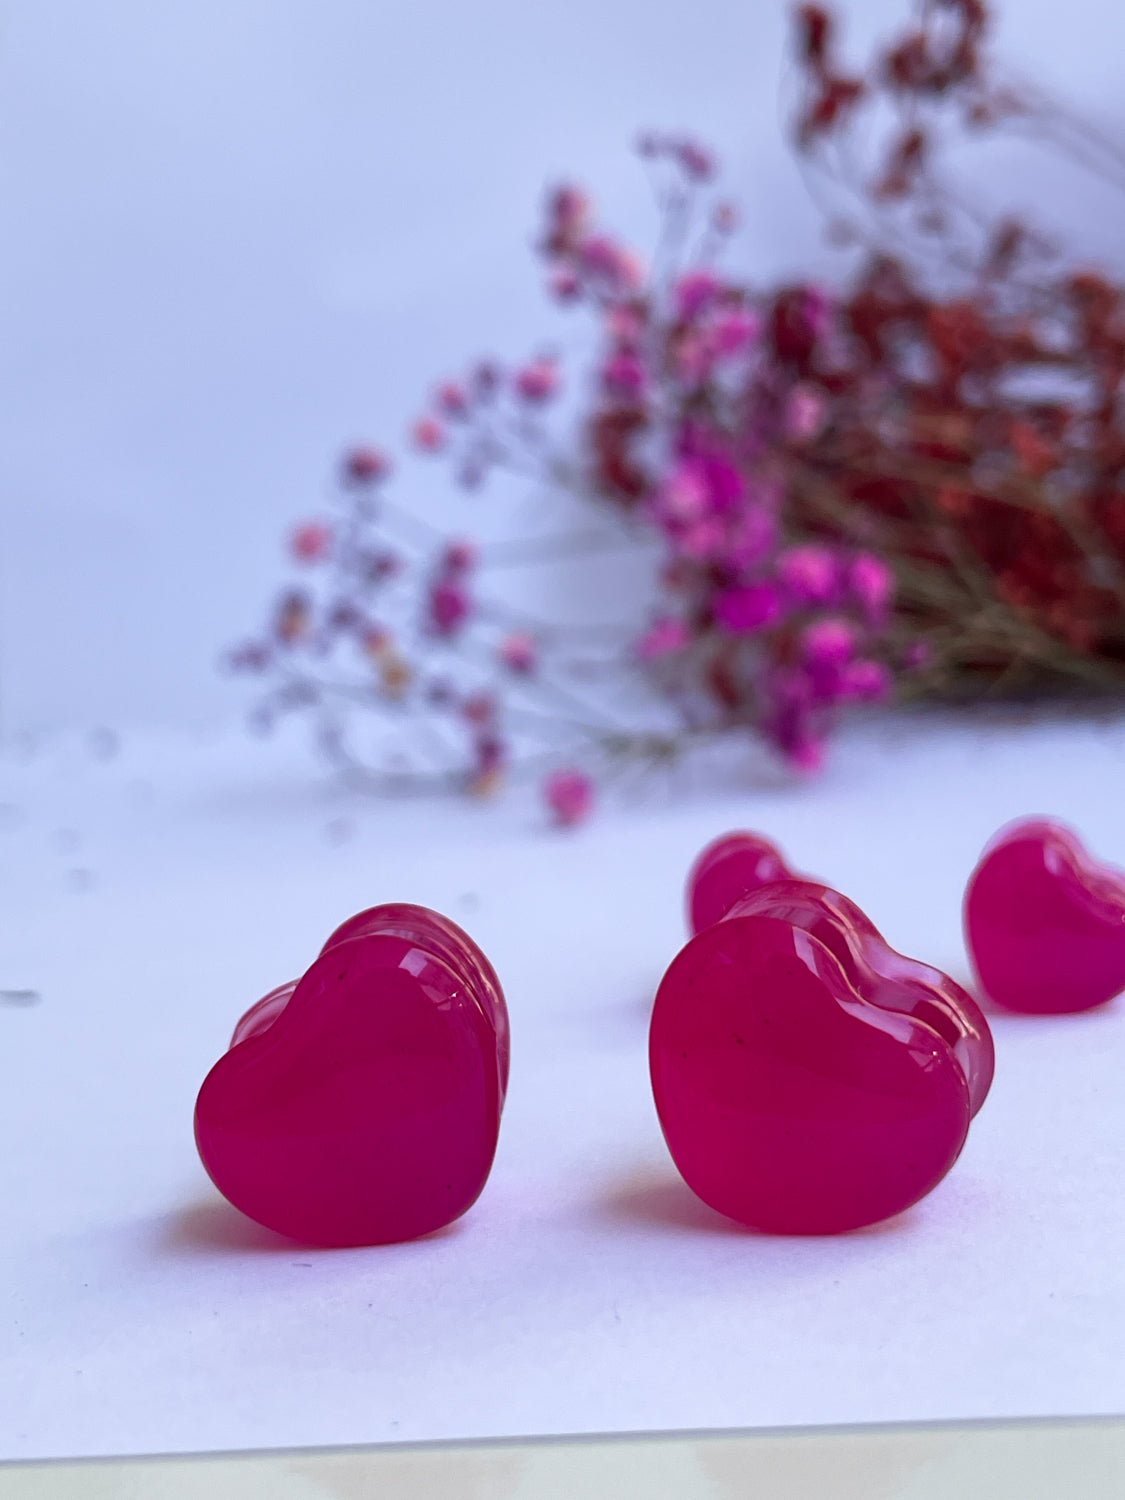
pixel 237 236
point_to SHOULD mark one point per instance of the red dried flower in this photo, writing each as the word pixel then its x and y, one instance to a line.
pixel 365 466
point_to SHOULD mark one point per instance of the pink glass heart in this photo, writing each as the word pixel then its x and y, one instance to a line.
pixel 1045 922
pixel 361 1104
pixel 808 1079
pixel 729 868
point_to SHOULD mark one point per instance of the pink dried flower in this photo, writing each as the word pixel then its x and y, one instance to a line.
pixel 452 398
pixel 569 795
pixel 449 606
pixel 873 585
pixel 695 357
pixel 428 434
pixel 792 723
pixel 810 574
pixel 624 324
pixel 918 654
pixel 479 708
pixel 865 681
pixel 519 652
pixel 537 381
pixel 565 286
pixel 311 542
pixel 701 540
pixel 365 466
pixel 827 648
pixel 490 752
pixel 618 266
pixel 828 643
pixel 733 332
pixel 684 495
pixel 568 213
pixel 696 160
pixel 694 291
pixel 663 638
pixel 624 375
pixel 751 537
pixel 804 751
pixel 804 414
pixel 459 557
pixel 740 611
pixel 725 482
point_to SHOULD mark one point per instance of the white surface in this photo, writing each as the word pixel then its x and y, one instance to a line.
pixel 587 1290
pixel 237 235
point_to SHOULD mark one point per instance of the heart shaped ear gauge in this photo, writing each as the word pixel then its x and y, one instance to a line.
pixel 1045 922
pixel 729 868
pixel 808 1078
pixel 361 1104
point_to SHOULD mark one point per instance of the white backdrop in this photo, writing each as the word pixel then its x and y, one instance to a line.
pixel 235 235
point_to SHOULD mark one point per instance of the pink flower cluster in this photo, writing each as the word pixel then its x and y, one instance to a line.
pixel 778 628
pixel 704 392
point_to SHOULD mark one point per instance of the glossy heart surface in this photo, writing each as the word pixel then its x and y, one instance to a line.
pixel 1045 922
pixel 808 1079
pixel 361 1105
pixel 729 868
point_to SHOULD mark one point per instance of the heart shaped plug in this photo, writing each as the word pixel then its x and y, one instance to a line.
pixel 729 868
pixel 1045 922
pixel 360 1104
pixel 808 1078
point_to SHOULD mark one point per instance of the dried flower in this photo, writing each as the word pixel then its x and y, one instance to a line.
pixel 365 466
pixel 873 585
pixel 919 471
pixel 519 652
pixel 311 542
pixel 741 611
pixel 565 286
pixel 538 381
pixel 569 795
pixel 449 606
pixel 695 291
pixel 452 398
pixel 810 574
pixel 459 557
pixel 293 616
pixel 479 709
pixel 804 414
pixel 429 435
pixel 866 681
pixel 617 267
pixel 624 375
pixel 394 674
pixel 663 638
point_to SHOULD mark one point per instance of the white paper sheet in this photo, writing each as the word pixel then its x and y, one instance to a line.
pixel 150 899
